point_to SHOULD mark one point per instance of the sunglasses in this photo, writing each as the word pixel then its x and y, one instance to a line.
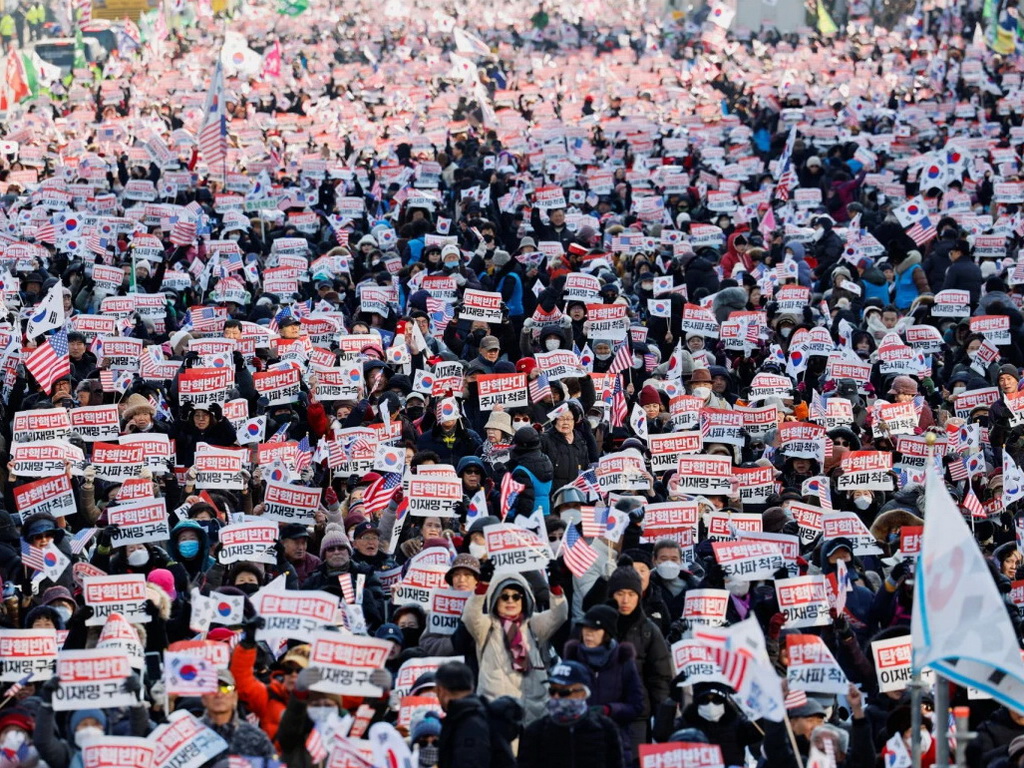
pixel 226 688
pixel 291 669
pixel 521 421
pixel 472 471
pixel 511 597
pixel 564 693
pixel 840 441
pixel 712 698
pixel 554 538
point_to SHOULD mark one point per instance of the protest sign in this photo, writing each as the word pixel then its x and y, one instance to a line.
pixel 139 522
pixel 812 667
pixel 42 424
pixel 445 610
pixel 118 751
pixel 418 583
pixel 294 613
pixel 680 754
pixel 706 606
pixel 184 742
pixel 505 390
pixel 52 495
pixel 514 549
pixel 804 601
pixel 120 593
pixel 116 463
pixel 707 475
pixel 92 679
pixel 218 468
pixel 27 653
pixel 251 541
pixel 667 448
pixel 748 560
pixel 481 305
pixel 96 422
pixel 287 503
pixel 279 386
pixel 434 496
pixel 695 661
pixel 345 663
pixel 866 470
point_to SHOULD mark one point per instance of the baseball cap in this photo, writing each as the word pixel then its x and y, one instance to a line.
pixel 570 673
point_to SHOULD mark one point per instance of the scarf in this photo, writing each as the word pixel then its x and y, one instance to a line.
pixel 513 630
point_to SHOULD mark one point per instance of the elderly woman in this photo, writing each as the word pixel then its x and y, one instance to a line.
pixel 570 448
pixel 509 633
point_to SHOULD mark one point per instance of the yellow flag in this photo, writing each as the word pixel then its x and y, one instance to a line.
pixel 826 27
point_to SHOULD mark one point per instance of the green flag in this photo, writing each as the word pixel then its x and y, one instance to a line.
pixel 293 7
pixel 80 62
pixel 826 27
pixel 31 76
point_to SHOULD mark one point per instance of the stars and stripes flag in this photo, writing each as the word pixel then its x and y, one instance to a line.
pixel 315 746
pixel 973 505
pixel 619 409
pixel 380 492
pixel 81 540
pixel 510 490
pixel 795 699
pixel 587 484
pixel 32 557
pixel 579 557
pixel 213 136
pixel 184 231
pixel 49 361
pixel 539 388
pixel 819 406
pixel 17 687
pixel 785 176
pixel 441 313
pixel 304 455
pixel 623 359
pixel 594 521
pixel 922 230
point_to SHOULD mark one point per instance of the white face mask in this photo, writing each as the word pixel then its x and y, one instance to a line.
pixel 785 331
pixel 668 569
pixel 552 344
pixel 320 714
pixel 637 361
pixel 139 557
pixel 862 502
pixel 737 588
pixel 599 356
pixel 702 392
pixel 817 235
pixel 711 712
pixel 13 740
pixel 926 741
pixel 83 735
pixel 478 550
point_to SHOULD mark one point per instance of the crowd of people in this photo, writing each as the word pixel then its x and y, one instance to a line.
pixel 433 386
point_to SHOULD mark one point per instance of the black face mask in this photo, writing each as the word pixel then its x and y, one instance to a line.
pixel 414 413
pixel 411 636
pixel 249 589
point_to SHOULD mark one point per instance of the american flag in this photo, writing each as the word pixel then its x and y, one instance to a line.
pixel 619 409
pixel 623 359
pixel 579 556
pixel 594 520
pixel 785 168
pixel 304 455
pixel 510 489
pixel 49 361
pixel 973 505
pixel 539 389
pixel 441 313
pixel 184 231
pixel 380 492
pixel 81 540
pixel 213 136
pixel 315 746
pixel 16 688
pixel 733 666
pixel 650 361
pixel 922 231
pixel 32 557
pixel 795 699
pixel 586 482
pixel 819 406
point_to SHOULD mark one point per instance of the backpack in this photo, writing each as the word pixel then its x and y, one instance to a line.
pixel 505 721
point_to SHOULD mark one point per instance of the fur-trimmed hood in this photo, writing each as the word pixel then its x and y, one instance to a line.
pixel 888 522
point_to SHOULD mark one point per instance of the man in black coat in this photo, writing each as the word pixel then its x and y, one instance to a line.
pixel 570 735
pixel 963 274
pixel 466 738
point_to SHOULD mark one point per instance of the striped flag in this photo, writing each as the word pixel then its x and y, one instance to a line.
pixel 579 557
pixel 213 136
pixel 594 520
pixel 32 557
pixel 973 505
pixel 380 492
pixel 510 489
pixel 539 389
pixel 304 455
pixel 619 408
pixel 183 232
pixel 17 687
pixel 795 699
pixel 922 231
pixel 784 170
pixel 81 540
pixel 315 746
pixel 49 361
pixel 587 484
pixel 623 359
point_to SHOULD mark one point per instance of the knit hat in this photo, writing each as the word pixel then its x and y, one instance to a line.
pixel 53 594
pixel 179 342
pixel 601 617
pixel 17 718
pixel 649 396
pixel 501 258
pixel 1009 370
pixel 774 519
pixel 526 439
pixel 164 579
pixel 903 385
pixel 137 404
pixel 625 577
pixel 428 725
pixel 84 714
pixel 333 537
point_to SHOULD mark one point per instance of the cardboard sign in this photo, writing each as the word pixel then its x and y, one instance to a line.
pixel 756 483
pixel 139 522
pixel 514 549
pixel 681 754
pixel 706 607
pixel 249 541
pixel 803 440
pixel 892 663
pixel 122 354
pixel 203 387
pixel 27 653
pixel 848 525
pixel 623 471
pixel 748 560
pixel 345 663
pixel 964 403
pixel 184 742
pixel 866 470
pixel 118 751
pixel 812 667
pixel 418 584
pixel 481 305
pixel 43 424
pixel 218 467
pixel 53 495
pixel 722 525
pixel 696 662
pixel 342 383
pixel 158 453
pixel 894 419
pixel 995 328
pixel 115 462
pixel 841 368
pixel 92 679
pixel 804 601
pixel 294 613
pixel 286 503
pixel 434 496
pixel 607 322
pixel 445 612
pixel 96 422
pixel 279 386
pixel 667 448
pixel 767 385
pixel 506 390
pixel 124 594
pixel 705 475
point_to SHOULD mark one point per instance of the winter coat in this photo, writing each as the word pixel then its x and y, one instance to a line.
pixel 199 564
pixel 497 678
pixel 466 442
pixel 938 261
pixel 733 733
pixel 265 700
pixel 803 268
pixel 964 275
pixel 727 301
pixel 466 735
pixel 653 659
pixel 591 742
pixel 993 737
pixel 187 436
pixel 700 273
pixel 616 683
pixel 733 257
pixel 568 459
pixel 533 469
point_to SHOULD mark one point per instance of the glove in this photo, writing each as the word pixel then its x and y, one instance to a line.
pixel 898 572
pixel 775 625
pixel 459 278
pixel 83 614
pixel 565 321
pixel 132 684
pixel 90 474
pixel 481 587
pixel 382 679
pixel 48 688
pixel 557 590
pixel 151 609
pixel 106 535
pixel 528 324
pixel 842 627
pixel 249 630
pixel 307 679
pixel 677 629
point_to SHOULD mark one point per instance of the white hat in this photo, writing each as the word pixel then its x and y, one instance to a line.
pixel 452 250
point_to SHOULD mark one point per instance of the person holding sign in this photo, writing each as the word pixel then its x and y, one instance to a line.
pixel 510 635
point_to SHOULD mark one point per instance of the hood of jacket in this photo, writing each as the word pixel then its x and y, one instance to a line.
pixel 510 580
pixel 180 528
pixel 797 249
pixel 555 330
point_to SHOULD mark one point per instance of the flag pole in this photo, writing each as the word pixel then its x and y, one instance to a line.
pixel 917 685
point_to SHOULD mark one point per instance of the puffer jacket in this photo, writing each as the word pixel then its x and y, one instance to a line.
pixel 497 678
pixel 567 459
pixel 653 659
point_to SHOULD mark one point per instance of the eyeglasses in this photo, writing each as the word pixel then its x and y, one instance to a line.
pixel 840 441
pixel 511 597
pixel 564 693
pixel 226 688
pixel 472 471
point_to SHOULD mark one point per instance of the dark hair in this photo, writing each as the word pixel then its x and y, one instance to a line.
pixel 232 323
pixel 455 677
pixel 890 308
pixel 423 456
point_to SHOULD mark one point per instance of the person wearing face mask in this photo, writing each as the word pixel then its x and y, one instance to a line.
pixel 899 740
pixel 617 691
pixel 425 737
pixel 305 710
pixel 246 576
pixel 60 599
pixel 137 558
pixel 572 734
pixel 670 578
pixel 864 505
pixel 336 562
pixel 784 325
pixel 16 748
pixel 700 386
pixel 189 546
pixel 713 712
pixel 410 619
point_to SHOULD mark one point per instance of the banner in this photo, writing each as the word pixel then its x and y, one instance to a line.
pixel 124 594
pixel 511 548
pixel 92 679
pixel 507 390
pixel 286 503
pixel 139 522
